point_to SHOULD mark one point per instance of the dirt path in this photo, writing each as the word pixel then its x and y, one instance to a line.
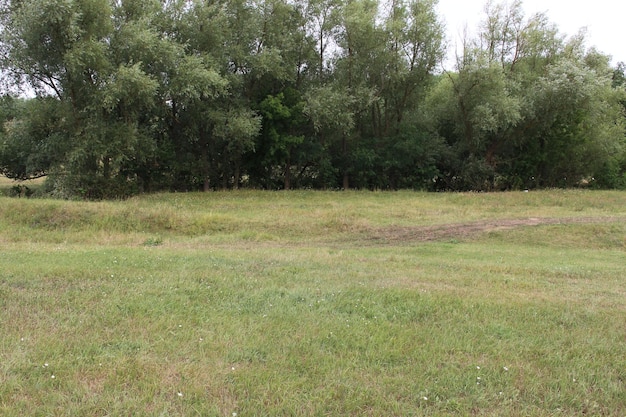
pixel 466 230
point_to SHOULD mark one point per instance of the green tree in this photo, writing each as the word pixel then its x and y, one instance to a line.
pixel 282 121
pixel 65 50
pixel 526 107
pixel 579 128
pixel 413 49
pixel 31 137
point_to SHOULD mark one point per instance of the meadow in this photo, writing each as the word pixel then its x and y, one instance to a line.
pixel 309 303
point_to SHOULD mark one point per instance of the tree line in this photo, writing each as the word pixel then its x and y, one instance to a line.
pixel 128 96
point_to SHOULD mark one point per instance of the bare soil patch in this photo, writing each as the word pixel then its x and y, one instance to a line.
pixel 473 229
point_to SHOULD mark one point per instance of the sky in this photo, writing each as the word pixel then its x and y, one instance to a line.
pixel 602 18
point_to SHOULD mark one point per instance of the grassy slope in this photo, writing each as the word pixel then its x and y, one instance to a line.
pixel 261 303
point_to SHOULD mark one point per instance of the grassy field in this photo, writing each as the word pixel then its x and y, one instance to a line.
pixel 314 304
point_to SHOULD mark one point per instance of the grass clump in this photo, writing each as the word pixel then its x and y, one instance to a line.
pixel 153 241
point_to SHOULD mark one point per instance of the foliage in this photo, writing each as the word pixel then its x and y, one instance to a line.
pixel 527 108
pixel 149 95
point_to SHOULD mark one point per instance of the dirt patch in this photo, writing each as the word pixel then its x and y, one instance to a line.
pixel 468 230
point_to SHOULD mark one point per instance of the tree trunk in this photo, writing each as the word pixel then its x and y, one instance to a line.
pixel 287 178
pixel 287 174
pixel 344 151
pixel 237 175
pixel 204 154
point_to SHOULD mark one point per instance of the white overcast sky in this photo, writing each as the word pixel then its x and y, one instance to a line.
pixel 603 19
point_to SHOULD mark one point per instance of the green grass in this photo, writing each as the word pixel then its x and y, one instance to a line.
pixel 313 304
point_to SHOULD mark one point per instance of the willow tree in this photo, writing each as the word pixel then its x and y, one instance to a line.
pixel 386 57
pixel 526 106
pixel 63 50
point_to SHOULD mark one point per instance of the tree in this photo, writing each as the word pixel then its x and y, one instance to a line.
pixel 283 131
pixel 144 95
pixel 413 49
pixel 30 139
pixel 526 107
pixel 63 50
pixel 578 127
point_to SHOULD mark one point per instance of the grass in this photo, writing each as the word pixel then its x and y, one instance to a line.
pixel 313 304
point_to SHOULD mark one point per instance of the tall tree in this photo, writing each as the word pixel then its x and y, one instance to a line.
pixel 521 109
